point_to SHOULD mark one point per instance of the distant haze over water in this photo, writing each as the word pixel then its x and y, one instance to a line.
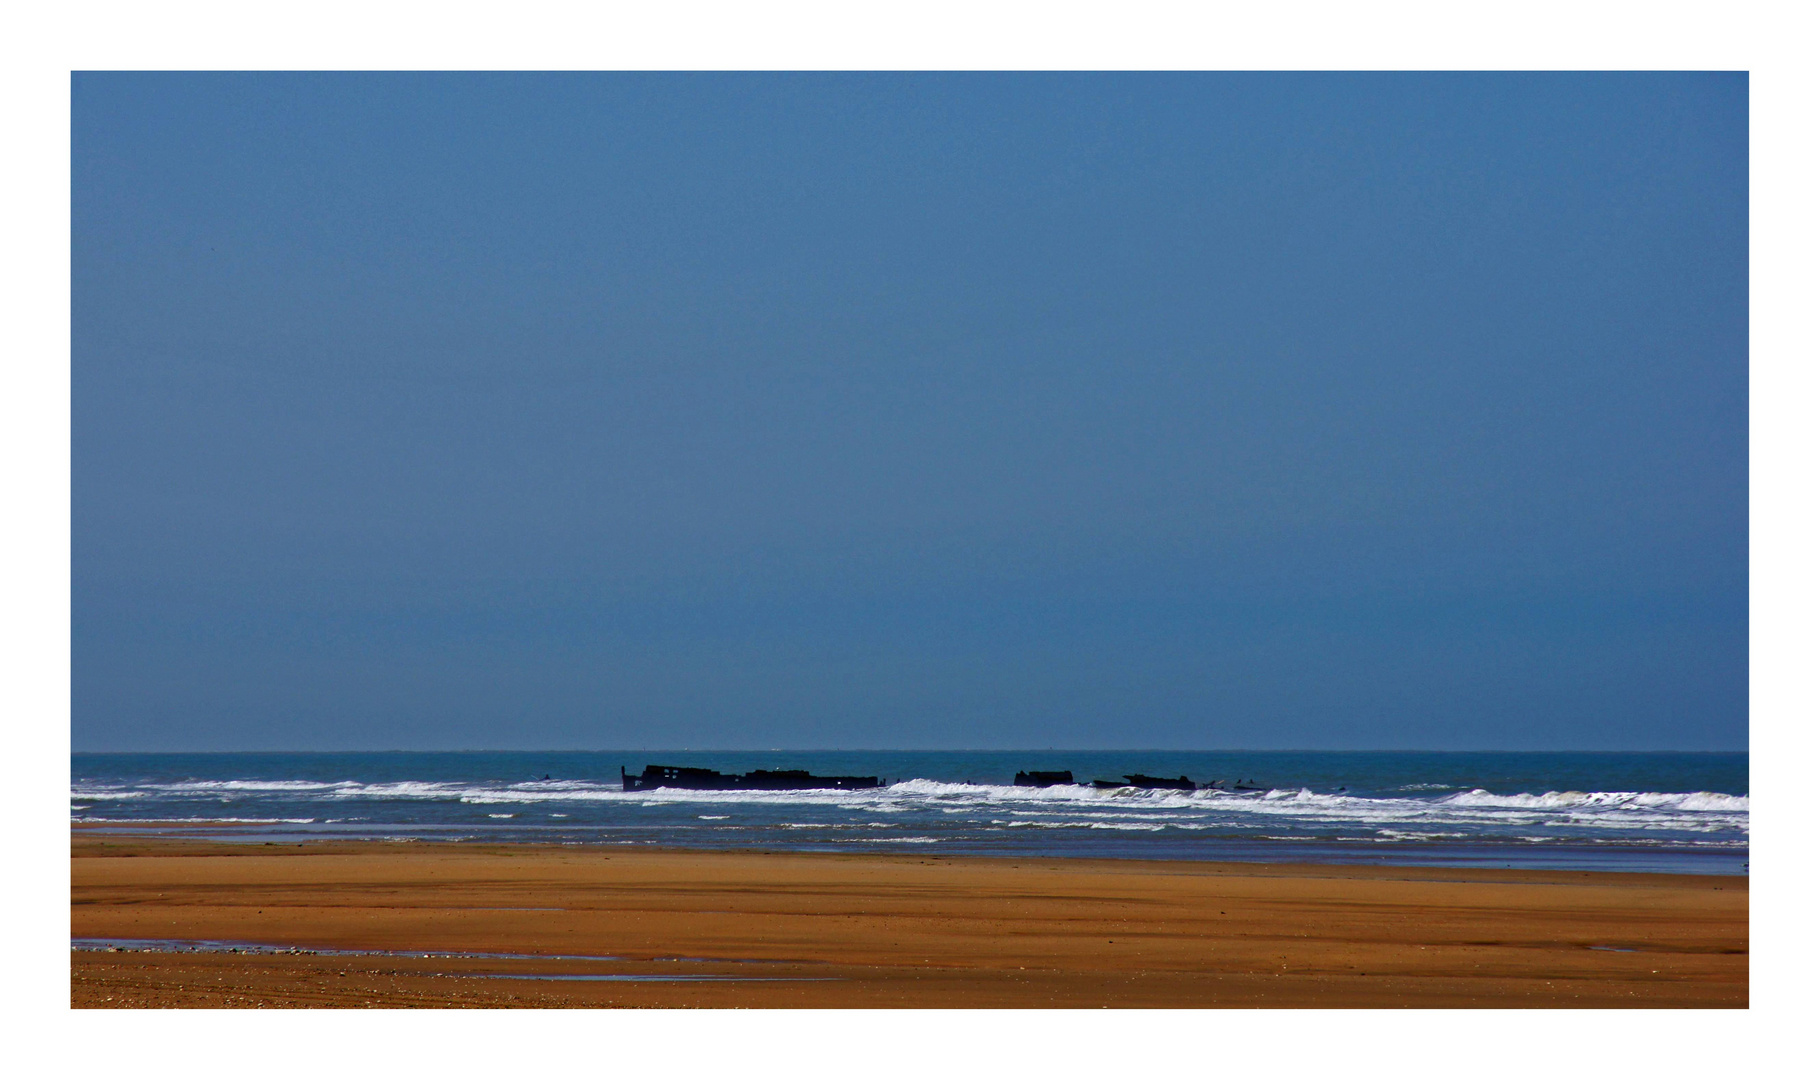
pixel 1678 812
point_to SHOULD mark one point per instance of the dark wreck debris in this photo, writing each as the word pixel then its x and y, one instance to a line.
pixel 1139 780
pixel 786 779
pixel 687 778
pixel 676 776
pixel 1180 783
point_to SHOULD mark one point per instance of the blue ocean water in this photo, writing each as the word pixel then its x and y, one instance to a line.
pixel 1683 813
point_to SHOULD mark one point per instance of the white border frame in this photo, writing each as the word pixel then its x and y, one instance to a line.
pixel 45 43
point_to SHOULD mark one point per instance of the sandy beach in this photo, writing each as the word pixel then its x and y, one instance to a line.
pixel 377 924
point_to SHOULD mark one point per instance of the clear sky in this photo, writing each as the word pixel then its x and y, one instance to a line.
pixel 914 411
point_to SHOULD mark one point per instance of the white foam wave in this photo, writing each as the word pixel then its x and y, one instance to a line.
pixel 252 785
pixel 1561 800
pixel 1121 826
pixel 1412 812
pixel 201 821
pixel 948 796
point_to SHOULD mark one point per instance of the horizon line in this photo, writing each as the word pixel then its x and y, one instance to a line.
pixel 956 750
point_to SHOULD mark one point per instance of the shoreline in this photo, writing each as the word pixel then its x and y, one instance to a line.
pixel 1676 813
pixel 1518 858
pixel 127 836
pixel 690 928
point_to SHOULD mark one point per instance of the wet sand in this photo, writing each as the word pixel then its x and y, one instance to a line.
pixel 770 930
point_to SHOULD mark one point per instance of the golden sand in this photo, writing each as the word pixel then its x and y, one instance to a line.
pixel 785 930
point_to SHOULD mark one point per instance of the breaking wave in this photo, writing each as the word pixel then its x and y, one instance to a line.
pixel 958 804
pixel 1652 800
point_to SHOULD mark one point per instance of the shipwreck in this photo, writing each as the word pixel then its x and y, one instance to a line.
pixel 679 776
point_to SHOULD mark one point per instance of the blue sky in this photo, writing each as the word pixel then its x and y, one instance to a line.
pixel 920 411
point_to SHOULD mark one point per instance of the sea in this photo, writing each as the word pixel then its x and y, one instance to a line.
pixel 1658 812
